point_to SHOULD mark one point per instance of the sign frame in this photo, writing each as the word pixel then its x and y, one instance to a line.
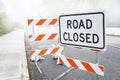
pixel 93 13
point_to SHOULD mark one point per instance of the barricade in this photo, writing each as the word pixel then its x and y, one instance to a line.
pixel 45 37
pixel 72 63
pixel 43 22
pixel 46 51
pixel 73 24
pixel 38 37
pixel 57 50
pixel 82 65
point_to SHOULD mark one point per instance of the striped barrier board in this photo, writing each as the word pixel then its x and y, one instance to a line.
pixel 79 47
pixel 89 67
pixel 41 37
pixel 46 51
pixel 43 22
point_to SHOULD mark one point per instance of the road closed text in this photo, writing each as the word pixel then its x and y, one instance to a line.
pixel 82 37
pixel 85 30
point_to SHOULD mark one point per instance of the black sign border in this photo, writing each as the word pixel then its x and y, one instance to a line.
pixel 85 14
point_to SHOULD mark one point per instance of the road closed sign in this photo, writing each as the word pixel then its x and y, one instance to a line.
pixel 85 30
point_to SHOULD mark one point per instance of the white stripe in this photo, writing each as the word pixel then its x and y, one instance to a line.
pixel 65 61
pixel 46 36
pixel 61 49
pixel 48 22
pixel 56 24
pixel 45 24
pixel 34 22
pixel 35 53
pixel 80 66
pixel 97 69
pixel 57 36
pixel 48 51
pixel 58 61
pixel 33 38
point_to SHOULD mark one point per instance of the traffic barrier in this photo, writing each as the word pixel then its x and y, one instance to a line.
pixel 41 37
pixel 79 47
pixel 86 66
pixel 46 51
pixel 41 22
pixel 89 67
pixel 46 23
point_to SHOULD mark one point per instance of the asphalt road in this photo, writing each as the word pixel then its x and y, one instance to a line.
pixel 50 70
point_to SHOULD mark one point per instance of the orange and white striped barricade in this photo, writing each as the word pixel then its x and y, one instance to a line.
pixel 38 53
pixel 43 22
pixel 82 65
pixel 45 34
pixel 45 37
pixel 38 24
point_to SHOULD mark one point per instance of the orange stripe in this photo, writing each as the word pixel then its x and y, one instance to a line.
pixel 72 63
pixel 95 50
pixel 30 21
pixel 42 52
pixel 88 67
pixel 30 36
pixel 41 21
pixel 60 61
pixel 63 44
pixel 52 36
pixel 54 50
pixel 58 40
pixel 62 51
pixel 31 52
pixel 77 47
pixel 53 22
pixel 40 37
pixel 102 68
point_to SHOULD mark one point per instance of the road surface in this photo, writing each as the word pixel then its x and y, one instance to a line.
pixel 50 70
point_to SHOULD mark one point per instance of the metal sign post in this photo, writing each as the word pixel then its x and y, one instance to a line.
pixel 97 62
pixel 33 29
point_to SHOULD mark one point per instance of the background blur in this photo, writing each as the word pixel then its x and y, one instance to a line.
pixel 13 20
pixel 14 13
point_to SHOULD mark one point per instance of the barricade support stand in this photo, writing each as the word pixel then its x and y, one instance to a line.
pixel 69 62
pixel 44 24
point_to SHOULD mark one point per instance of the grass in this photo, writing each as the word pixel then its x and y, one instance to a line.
pixel 5 26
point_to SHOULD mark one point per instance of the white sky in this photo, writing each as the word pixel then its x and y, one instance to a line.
pixel 21 10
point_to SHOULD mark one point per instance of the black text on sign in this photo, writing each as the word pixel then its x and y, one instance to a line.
pixel 85 30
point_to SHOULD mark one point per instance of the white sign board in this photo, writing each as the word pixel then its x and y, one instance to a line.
pixel 85 30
